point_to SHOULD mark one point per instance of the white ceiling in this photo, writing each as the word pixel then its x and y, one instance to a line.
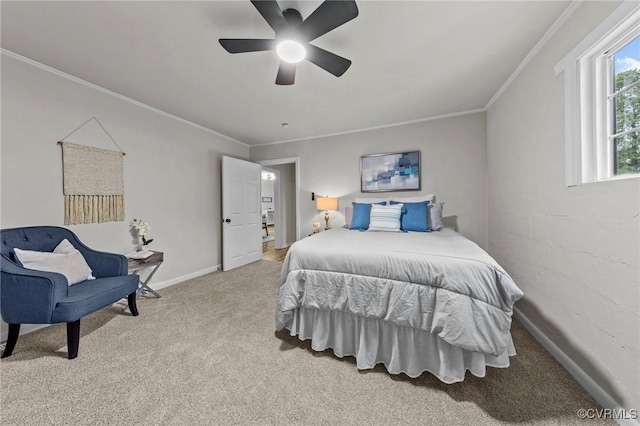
pixel 411 59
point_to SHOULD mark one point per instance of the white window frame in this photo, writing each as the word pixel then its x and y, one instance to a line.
pixel 587 72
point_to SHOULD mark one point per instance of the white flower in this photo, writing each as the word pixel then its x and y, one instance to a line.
pixel 141 227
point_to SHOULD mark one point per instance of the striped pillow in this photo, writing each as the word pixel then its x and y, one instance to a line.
pixel 385 218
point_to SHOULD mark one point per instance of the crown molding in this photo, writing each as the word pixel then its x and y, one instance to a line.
pixel 558 23
pixel 383 126
pixel 101 89
pixel 564 16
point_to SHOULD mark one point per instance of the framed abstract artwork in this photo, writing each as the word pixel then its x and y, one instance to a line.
pixel 390 172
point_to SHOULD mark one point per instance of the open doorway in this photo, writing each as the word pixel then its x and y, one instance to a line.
pixel 286 206
pixel 268 203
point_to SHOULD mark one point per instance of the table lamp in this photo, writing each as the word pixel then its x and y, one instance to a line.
pixel 326 204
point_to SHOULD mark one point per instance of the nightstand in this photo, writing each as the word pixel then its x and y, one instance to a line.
pixel 136 265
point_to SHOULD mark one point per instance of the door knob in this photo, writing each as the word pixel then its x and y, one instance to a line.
pixel 228 220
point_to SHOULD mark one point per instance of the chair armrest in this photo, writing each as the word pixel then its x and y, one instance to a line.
pixel 29 296
pixel 102 263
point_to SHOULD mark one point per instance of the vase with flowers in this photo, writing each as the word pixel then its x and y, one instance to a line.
pixel 140 229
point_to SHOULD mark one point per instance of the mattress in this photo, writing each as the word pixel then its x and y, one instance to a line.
pixel 412 301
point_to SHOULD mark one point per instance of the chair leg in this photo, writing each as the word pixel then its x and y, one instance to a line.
pixel 133 307
pixel 73 338
pixel 14 332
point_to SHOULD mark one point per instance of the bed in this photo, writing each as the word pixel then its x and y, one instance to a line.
pixel 413 301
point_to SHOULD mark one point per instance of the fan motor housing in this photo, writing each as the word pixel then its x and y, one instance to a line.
pixel 292 16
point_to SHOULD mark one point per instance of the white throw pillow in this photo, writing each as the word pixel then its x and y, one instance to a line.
pixel 416 199
pixel 435 216
pixel 65 247
pixel 385 218
pixel 364 200
pixel 348 215
pixel 65 260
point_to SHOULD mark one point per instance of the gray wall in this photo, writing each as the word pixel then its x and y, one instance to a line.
pixel 171 169
pixel 574 251
pixel 453 162
pixel 267 191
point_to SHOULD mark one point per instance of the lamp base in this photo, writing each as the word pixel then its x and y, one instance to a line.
pixel 326 221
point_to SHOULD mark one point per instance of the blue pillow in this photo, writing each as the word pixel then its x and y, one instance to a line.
pixel 414 216
pixel 361 215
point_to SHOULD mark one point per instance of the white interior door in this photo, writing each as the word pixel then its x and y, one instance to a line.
pixel 241 213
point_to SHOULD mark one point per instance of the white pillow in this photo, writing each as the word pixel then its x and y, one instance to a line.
pixel 416 199
pixel 385 218
pixel 348 215
pixel 435 216
pixel 364 200
pixel 65 260
pixel 65 247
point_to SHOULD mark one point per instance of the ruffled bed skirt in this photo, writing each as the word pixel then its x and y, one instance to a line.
pixel 400 349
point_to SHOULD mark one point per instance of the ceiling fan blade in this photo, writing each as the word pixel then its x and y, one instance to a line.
pixel 271 13
pixel 328 16
pixel 336 65
pixel 241 45
pixel 286 74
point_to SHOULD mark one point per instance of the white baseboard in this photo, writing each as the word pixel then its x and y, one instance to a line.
pixel 28 328
pixel 594 389
pixel 24 329
pixel 167 283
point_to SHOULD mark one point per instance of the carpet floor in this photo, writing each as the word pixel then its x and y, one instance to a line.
pixel 206 353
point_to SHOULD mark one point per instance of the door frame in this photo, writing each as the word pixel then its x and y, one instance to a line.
pixel 296 162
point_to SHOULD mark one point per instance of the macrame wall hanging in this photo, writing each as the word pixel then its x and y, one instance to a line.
pixel 93 182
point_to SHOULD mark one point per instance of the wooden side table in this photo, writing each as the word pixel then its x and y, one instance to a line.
pixel 136 265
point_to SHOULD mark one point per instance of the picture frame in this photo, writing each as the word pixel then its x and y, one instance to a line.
pixel 267 199
pixel 390 172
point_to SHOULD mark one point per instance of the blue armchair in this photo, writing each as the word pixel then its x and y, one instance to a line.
pixel 28 296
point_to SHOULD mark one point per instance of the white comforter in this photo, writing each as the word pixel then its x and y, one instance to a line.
pixel 439 282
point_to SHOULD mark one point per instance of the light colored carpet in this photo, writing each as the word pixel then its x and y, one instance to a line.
pixel 207 353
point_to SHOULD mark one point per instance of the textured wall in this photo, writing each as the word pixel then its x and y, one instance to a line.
pixel 573 250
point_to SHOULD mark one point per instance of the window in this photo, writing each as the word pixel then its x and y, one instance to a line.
pixel 602 100
pixel 624 106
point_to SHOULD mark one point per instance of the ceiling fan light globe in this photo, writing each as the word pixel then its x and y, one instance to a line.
pixel 291 51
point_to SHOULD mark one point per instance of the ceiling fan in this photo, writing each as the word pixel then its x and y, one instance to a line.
pixel 293 34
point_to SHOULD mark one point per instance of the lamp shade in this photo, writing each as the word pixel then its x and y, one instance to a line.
pixel 326 203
